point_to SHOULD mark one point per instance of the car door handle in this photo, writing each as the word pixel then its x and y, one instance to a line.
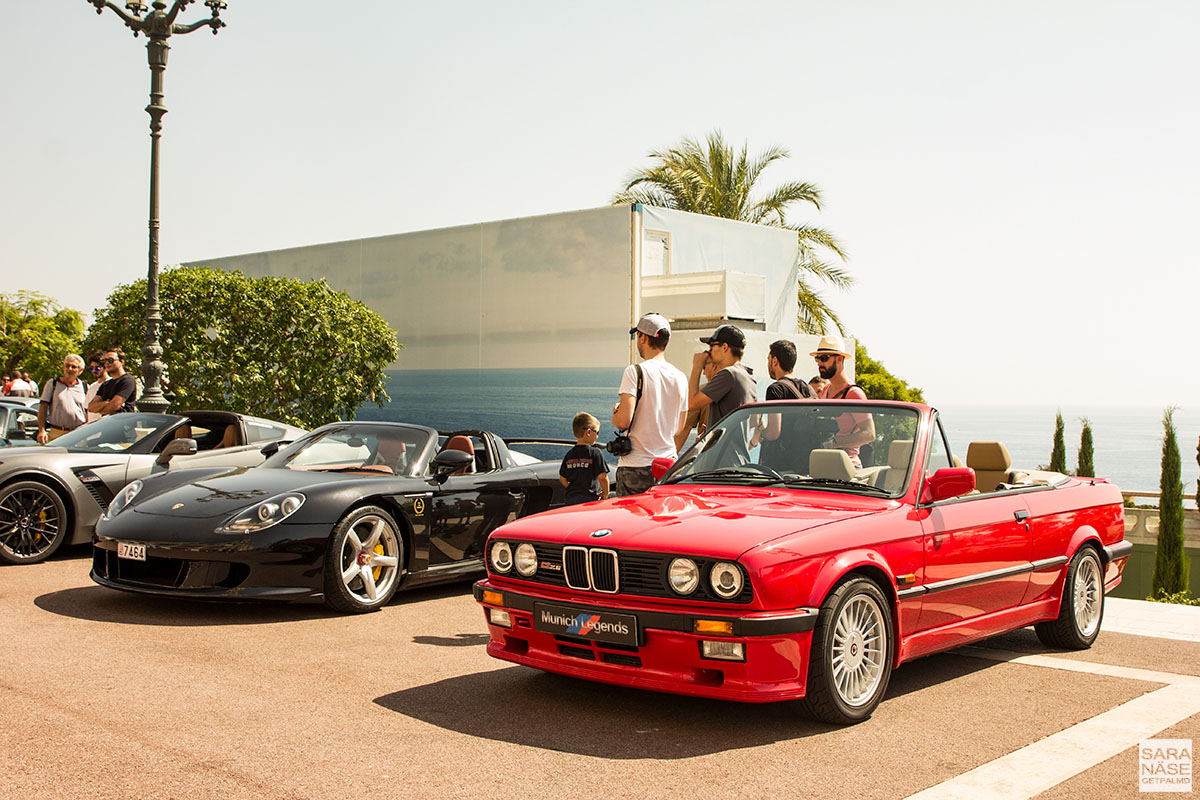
pixel 1021 515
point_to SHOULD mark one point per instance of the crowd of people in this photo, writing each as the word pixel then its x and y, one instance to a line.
pixel 658 406
pixel 69 400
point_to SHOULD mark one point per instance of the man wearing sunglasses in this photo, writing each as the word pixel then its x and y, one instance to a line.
pixel 854 430
pixel 95 374
pixel 115 396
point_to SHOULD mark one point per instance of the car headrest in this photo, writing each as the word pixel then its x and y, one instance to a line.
pixel 460 443
pixel 830 464
pixel 988 456
pixel 899 452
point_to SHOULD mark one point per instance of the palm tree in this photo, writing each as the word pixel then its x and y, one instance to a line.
pixel 709 178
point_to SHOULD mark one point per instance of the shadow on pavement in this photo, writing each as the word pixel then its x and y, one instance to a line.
pixel 553 712
pixel 105 605
pixel 458 640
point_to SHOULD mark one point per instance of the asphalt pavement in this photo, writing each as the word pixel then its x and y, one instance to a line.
pixel 111 695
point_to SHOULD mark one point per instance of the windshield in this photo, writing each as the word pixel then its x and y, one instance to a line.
pixel 863 449
pixel 381 448
pixel 115 432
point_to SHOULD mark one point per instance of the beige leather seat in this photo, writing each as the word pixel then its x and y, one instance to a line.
pixel 831 464
pixel 991 463
pixel 899 452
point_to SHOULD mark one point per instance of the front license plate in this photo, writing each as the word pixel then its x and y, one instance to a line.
pixel 134 552
pixel 599 626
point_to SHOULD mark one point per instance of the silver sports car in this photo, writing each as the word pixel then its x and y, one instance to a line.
pixel 50 496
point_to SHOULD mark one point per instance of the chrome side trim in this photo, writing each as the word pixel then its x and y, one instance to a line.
pixel 1047 563
pixel 982 577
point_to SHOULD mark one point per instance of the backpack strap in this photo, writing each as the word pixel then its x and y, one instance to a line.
pixel 842 394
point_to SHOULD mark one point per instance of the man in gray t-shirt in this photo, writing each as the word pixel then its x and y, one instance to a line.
pixel 732 386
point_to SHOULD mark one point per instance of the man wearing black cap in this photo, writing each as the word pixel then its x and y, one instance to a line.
pixel 652 409
pixel 732 386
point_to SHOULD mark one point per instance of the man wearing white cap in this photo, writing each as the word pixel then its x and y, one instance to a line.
pixel 854 430
pixel 652 409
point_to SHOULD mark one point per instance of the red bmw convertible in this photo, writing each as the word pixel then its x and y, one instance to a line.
pixel 776 561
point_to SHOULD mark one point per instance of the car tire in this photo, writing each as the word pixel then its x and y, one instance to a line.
pixel 850 660
pixel 364 561
pixel 33 522
pixel 1082 609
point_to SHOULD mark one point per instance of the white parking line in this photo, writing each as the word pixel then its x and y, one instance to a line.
pixel 1042 765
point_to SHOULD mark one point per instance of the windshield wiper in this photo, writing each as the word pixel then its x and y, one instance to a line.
pixel 838 482
pixel 728 472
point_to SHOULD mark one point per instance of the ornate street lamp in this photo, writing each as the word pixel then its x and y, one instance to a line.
pixel 158 25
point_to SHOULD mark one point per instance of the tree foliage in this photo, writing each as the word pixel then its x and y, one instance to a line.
pixel 272 347
pixel 1087 465
pixel 1170 563
pixel 878 383
pixel 708 177
pixel 36 333
pixel 1058 455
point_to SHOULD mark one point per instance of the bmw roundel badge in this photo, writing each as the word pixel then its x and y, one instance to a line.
pixel 600 534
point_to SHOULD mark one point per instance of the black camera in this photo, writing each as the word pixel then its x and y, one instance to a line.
pixel 622 445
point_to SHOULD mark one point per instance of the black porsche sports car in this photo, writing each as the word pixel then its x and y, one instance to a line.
pixel 348 514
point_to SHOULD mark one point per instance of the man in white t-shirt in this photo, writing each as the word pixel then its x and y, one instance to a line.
pixel 661 411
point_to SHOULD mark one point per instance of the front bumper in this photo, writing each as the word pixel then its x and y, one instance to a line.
pixel 667 656
pixel 282 563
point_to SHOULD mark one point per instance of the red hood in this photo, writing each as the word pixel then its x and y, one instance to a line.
pixel 706 520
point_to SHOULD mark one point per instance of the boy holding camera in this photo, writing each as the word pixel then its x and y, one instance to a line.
pixel 583 473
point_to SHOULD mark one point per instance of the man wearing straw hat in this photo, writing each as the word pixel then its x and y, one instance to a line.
pixel 854 430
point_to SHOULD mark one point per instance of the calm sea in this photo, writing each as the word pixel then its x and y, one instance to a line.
pixel 541 402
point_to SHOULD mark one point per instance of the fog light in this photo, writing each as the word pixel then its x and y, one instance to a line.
pixel 724 651
pixel 498 616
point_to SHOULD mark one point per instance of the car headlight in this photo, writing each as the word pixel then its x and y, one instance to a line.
pixel 726 579
pixel 261 516
pixel 502 559
pixel 123 498
pixel 526 559
pixel 683 575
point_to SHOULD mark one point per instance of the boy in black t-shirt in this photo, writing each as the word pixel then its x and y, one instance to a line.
pixel 584 472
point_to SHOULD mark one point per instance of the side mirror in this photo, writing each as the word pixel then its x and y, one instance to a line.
pixel 176 447
pixel 659 467
pixel 271 448
pixel 946 483
pixel 447 462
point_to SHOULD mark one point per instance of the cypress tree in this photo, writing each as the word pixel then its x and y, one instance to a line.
pixel 1058 456
pixel 1087 465
pixel 1170 566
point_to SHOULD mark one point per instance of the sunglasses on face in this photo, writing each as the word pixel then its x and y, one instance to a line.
pixel 110 361
pixel 823 359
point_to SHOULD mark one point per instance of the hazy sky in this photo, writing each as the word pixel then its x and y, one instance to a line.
pixel 1016 183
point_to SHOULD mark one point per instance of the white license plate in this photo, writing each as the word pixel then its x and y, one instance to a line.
pixel 134 552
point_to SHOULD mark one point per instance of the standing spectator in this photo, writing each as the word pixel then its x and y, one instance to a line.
pixel 817 384
pixel 697 419
pixel 781 360
pixel 652 405
pixel 732 386
pixel 98 377
pixel 32 384
pixel 20 387
pixel 116 394
pixel 854 430
pixel 584 473
pixel 7 387
pixel 63 407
